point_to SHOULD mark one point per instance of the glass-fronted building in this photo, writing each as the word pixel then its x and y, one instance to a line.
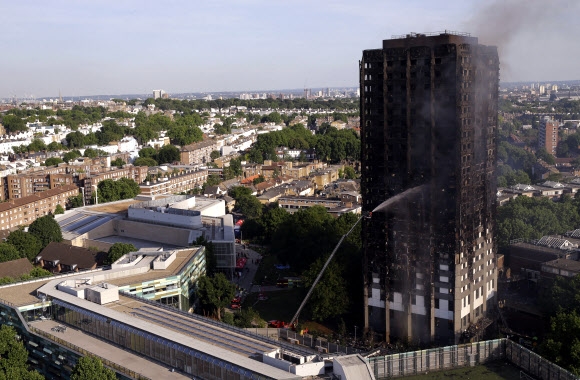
pixel 139 307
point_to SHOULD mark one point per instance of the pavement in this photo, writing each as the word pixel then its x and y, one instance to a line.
pixel 247 279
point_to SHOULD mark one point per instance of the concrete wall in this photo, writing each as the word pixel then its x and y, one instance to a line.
pixel 159 263
pixel 102 296
pixel 106 229
pixel 278 363
pixel 159 217
pixel 216 209
pixel 100 245
pixel 186 204
pixel 77 292
pixel 153 232
pixel 309 369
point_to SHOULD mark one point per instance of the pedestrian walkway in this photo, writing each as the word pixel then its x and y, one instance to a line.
pixel 249 272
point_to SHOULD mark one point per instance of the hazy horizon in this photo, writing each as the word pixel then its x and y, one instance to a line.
pixel 130 47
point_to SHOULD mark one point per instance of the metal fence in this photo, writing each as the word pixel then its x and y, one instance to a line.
pixel 534 364
pixel 320 344
pixel 471 354
pixel 416 362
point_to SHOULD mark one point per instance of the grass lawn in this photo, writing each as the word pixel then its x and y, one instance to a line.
pixel 281 304
pixel 267 274
pixel 491 371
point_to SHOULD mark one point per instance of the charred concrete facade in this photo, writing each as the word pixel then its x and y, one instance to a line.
pixel 429 119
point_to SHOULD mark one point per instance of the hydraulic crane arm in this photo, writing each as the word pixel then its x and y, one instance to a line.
pixel 380 208
pixel 322 271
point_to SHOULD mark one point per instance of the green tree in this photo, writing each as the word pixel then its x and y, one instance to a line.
pixel 213 180
pixel 13 357
pixel 148 152
pixel 562 344
pixel 118 162
pixel 117 250
pixel 304 236
pixel 248 318
pixel 38 272
pixel 54 146
pixel 249 206
pixel 76 201
pixel 91 368
pixel 273 117
pixel 531 218
pixel 258 180
pixel 46 229
pixel 72 155
pixel 94 153
pixel 330 297
pixel 215 293
pixel 58 210
pixel 26 243
pixel 13 123
pixel 124 188
pixel 144 133
pixel 272 219
pixel 561 295
pixel 544 155
pixel 8 252
pixel 237 192
pixel 75 140
pixel 169 154
pixel 214 154
pixel 53 161
pixel 349 172
pixel 185 135
pixel 19 149
pixel 36 145
pixel 145 161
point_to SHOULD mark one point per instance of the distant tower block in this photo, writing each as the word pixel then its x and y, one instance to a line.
pixel 157 94
pixel 428 109
pixel 548 135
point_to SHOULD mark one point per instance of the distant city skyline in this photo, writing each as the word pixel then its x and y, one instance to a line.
pixel 131 47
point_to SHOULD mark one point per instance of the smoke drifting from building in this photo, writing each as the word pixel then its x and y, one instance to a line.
pixel 528 34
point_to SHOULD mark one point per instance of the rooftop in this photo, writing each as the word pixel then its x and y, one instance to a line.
pixel 24 293
pixel 114 207
pixel 168 325
pixel 203 329
pixel 12 203
pixel 69 255
pixel 571 265
pixel 133 362
pixel 15 268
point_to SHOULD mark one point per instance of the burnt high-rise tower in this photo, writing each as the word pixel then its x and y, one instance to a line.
pixel 429 119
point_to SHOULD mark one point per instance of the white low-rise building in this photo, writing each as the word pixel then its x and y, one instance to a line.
pixel 127 144
pixel 7 145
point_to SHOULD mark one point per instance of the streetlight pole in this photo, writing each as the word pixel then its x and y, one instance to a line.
pixel 96 194
pixel 355 335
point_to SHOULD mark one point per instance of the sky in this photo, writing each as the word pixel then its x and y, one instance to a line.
pixel 132 47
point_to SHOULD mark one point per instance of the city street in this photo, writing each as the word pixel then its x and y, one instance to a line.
pixel 246 281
